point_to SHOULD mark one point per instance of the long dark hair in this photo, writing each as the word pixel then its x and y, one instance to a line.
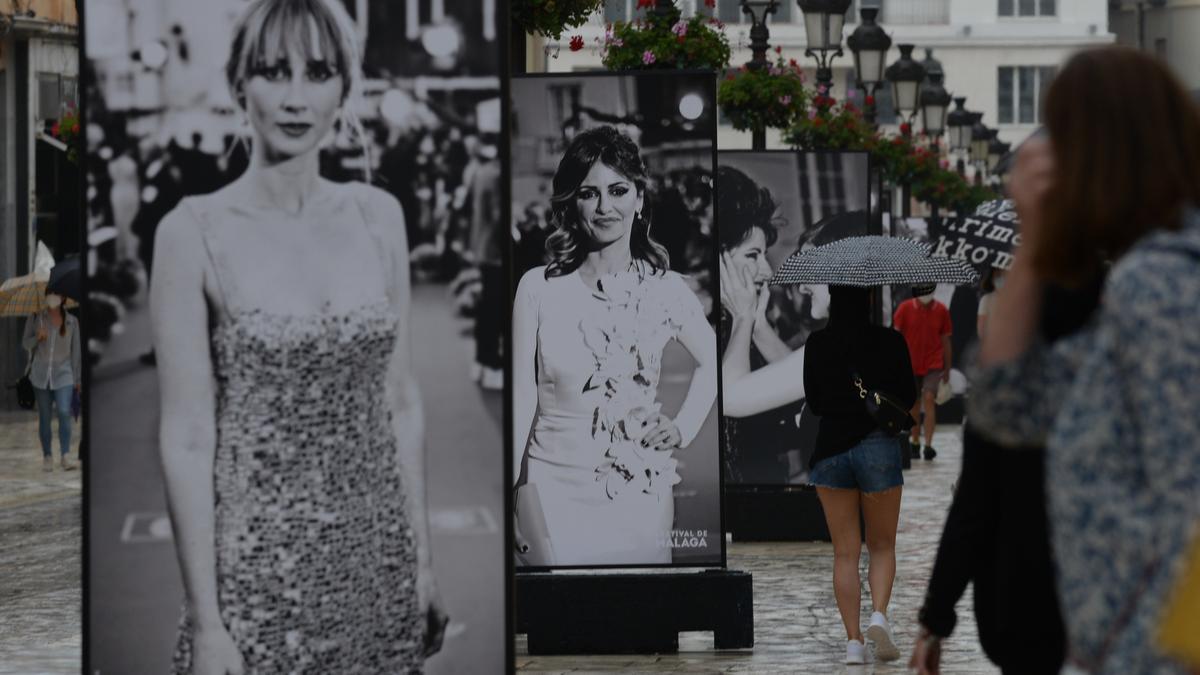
pixel 1142 177
pixel 743 205
pixel 569 244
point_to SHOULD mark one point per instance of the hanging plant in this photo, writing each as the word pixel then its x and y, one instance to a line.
pixel 550 18
pixel 829 125
pixel 666 41
pixel 770 97
pixel 66 129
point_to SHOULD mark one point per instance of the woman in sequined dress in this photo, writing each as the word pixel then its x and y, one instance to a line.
pixel 291 434
pixel 596 473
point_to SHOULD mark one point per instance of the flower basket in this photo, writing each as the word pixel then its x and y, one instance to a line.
pixel 668 41
pixel 66 129
pixel 550 18
pixel 830 125
pixel 760 98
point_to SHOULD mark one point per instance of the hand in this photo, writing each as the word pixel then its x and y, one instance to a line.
pixel 1032 176
pixel 214 653
pixel 738 294
pixel 927 654
pixel 664 436
pixel 764 301
pixel 946 375
pixel 433 609
pixel 42 334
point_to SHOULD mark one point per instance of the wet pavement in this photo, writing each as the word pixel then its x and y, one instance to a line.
pixel 41 542
pixel 796 623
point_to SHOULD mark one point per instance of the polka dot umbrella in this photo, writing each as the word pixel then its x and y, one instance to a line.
pixel 872 261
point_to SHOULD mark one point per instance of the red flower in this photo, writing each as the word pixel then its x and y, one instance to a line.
pixel 576 43
pixel 730 77
pixel 792 63
pixel 643 4
pixel 75 128
pixel 906 128
pixel 680 39
pixel 710 3
pixel 870 100
pixel 817 121
pixel 779 50
pixel 54 129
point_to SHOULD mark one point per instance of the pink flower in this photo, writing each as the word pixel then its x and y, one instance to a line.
pixel 785 100
pixel 775 71
pixel 821 89
pixel 680 28
pixel 648 57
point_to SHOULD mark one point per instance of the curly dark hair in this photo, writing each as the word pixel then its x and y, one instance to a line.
pixel 569 244
pixel 743 205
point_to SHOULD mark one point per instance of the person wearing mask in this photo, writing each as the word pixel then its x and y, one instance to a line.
pixel 1114 403
pixel 52 335
pixel 925 325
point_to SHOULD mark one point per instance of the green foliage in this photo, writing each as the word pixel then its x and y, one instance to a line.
pixel 770 97
pixel 550 18
pixel 666 42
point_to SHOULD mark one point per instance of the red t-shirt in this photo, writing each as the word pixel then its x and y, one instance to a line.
pixel 923 327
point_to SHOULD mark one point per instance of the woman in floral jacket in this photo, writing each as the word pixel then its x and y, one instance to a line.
pixel 1114 192
pixel 589 329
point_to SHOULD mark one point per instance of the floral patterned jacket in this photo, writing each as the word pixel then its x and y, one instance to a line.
pixel 1116 407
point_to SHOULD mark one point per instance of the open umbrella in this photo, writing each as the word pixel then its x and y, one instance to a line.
pixel 872 261
pixel 64 279
pixel 23 295
pixel 984 238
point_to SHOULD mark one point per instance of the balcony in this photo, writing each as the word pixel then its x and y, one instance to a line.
pixel 915 13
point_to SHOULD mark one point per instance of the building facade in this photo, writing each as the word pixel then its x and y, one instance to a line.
pixel 999 54
pixel 1169 28
pixel 39 71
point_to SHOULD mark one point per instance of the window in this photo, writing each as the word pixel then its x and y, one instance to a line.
pixel 1021 89
pixel 1027 8
pixel 55 93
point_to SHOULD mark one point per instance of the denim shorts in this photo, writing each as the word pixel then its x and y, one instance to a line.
pixel 871 466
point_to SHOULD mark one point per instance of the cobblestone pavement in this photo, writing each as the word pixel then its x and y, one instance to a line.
pixel 796 622
pixel 41 541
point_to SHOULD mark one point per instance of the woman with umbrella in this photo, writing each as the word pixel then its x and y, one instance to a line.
pixel 291 436
pixel 56 368
pixel 857 462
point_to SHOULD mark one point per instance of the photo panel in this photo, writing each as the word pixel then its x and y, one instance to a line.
pixel 770 205
pixel 296 316
pixel 614 370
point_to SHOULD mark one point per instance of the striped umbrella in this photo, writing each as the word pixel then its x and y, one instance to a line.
pixel 24 295
pixel 872 261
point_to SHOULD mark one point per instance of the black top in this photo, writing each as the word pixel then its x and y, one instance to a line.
pixel 879 355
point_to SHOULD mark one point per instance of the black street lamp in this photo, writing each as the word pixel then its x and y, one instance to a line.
pixel 934 101
pixel 932 66
pixel 664 8
pixel 759 34
pixel 906 76
pixel 959 123
pixel 823 22
pixel 870 44
pixel 979 138
pixel 996 150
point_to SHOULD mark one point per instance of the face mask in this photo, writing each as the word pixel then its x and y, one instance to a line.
pixel 925 299
pixel 998 283
pixel 53 301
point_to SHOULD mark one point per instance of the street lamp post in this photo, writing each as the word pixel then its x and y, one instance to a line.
pixel 823 22
pixel 906 76
pixel 980 140
pixel 759 35
pixel 869 44
pixel 934 102
pixel 664 8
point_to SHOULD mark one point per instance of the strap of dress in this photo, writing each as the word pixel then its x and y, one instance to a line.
pixel 386 254
pixel 214 260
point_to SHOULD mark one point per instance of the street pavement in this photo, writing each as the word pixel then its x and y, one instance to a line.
pixel 41 542
pixel 797 628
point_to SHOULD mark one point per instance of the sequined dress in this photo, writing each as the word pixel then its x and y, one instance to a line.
pixel 316 562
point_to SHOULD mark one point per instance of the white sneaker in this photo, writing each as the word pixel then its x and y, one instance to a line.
pixel 476 371
pixel 880 633
pixel 856 652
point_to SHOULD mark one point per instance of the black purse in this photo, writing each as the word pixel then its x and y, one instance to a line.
pixel 24 387
pixel 887 412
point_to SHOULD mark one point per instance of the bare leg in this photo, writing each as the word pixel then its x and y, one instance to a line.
pixel 930 415
pixel 841 515
pixel 881 511
pixel 914 436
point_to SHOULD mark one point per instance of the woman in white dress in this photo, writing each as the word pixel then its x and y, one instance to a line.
pixel 594 467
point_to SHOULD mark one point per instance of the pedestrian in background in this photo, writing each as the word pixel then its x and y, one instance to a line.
pixel 926 327
pixel 1113 194
pixel 52 335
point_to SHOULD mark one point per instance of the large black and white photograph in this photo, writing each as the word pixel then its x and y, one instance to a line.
pixel 295 353
pixel 614 352
pixel 771 205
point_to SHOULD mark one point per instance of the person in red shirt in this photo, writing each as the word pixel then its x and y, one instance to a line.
pixel 925 324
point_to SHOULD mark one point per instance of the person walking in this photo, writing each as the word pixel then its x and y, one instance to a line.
pixel 52 337
pixel 925 324
pixel 1112 403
